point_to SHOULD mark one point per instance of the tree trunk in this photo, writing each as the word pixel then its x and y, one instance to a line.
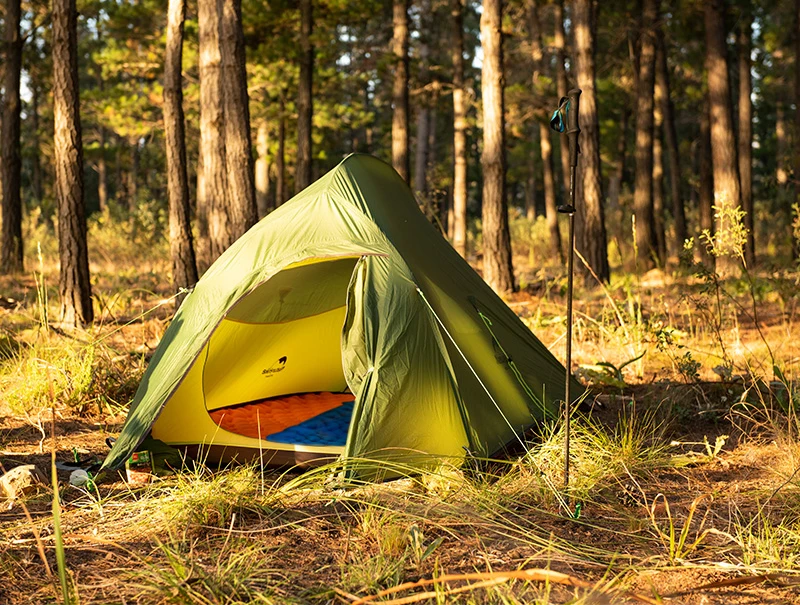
pixel 304 98
pixel 646 239
pixel 590 227
pixel 659 96
pixel 781 140
pixel 421 154
pixel 133 178
pixel 212 180
pixel 242 210
pixel 561 88
pixel 73 284
pixel 727 193
pixel 423 112
pixel 795 242
pixel 11 252
pixel 745 140
pixel 618 176
pixel 459 223
pixel 671 140
pixel 280 160
pixel 102 172
pixel 548 183
pixel 706 189
pixel 497 268
pixel 545 142
pixel 36 161
pixel 530 185
pixel 184 267
pixel 262 170
pixel 400 159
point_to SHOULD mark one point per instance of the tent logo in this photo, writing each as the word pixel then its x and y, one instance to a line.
pixel 274 368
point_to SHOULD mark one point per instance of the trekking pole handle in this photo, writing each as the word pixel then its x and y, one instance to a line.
pixel 573 125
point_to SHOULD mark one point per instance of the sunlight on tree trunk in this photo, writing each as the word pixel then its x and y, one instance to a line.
pixel 795 242
pixel 745 138
pixel 646 239
pixel 262 169
pixel 238 148
pixel 280 159
pixel 545 141
pixel 561 88
pixel 658 166
pixel 400 159
pixel 497 269
pixel 11 250
pixel 73 284
pixel 305 107
pixel 706 189
pixel 184 267
pixel 671 140
pixel 212 181
pixel 590 227
pixel 459 132
pixel 727 193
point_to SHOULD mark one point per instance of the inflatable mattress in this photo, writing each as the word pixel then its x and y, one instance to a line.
pixel 320 419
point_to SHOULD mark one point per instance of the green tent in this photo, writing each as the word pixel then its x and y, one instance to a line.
pixel 343 324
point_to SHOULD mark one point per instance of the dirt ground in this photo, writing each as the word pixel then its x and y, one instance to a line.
pixel 672 533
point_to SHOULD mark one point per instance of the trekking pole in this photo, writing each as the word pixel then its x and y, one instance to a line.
pixel 569 105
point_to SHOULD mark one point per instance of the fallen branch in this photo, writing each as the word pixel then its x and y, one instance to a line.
pixel 483 580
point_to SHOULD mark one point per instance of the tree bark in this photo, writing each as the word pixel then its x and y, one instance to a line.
pixel 459 223
pixel 280 160
pixel 590 228
pixel 497 268
pixel 242 210
pixel 184 266
pixel 102 171
pixel 706 189
pixel 423 112
pixel 36 161
pixel 561 88
pixel 548 183
pixel 262 170
pixel 73 284
pixel 795 243
pixel 530 185
pixel 727 193
pixel 11 251
pixel 671 140
pixel 659 97
pixel 745 139
pixel 646 239
pixel 618 175
pixel 781 140
pixel 305 101
pixel 400 159
pixel 545 142
pixel 212 179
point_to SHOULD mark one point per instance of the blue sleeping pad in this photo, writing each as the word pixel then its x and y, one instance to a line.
pixel 329 428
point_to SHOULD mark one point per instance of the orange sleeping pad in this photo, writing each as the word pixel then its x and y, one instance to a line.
pixel 260 419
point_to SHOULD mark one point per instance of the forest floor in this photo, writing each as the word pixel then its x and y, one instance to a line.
pixel 685 459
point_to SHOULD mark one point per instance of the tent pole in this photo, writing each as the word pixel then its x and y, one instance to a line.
pixel 571 106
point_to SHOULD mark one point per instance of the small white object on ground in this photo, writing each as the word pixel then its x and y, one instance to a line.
pixel 78 478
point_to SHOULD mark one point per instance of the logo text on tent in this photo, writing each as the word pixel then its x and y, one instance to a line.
pixel 274 368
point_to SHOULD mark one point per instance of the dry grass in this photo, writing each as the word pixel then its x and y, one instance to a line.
pixel 662 509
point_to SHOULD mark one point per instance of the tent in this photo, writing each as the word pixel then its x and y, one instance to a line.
pixel 343 324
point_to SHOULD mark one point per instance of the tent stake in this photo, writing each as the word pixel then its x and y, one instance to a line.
pixel 570 105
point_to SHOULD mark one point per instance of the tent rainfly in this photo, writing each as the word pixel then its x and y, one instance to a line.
pixel 343 324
